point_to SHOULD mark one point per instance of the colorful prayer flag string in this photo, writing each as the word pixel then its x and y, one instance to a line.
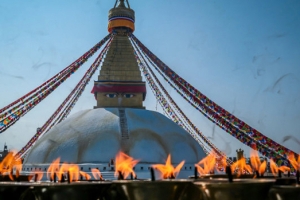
pixel 220 116
pixel 12 113
pixel 74 95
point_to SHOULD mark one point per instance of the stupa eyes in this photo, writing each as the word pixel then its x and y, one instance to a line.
pixel 127 95
pixel 114 95
pixel 111 95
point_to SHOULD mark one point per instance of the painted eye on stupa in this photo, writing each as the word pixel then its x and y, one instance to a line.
pixel 111 95
pixel 128 95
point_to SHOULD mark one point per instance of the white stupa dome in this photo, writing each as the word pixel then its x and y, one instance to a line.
pixel 97 135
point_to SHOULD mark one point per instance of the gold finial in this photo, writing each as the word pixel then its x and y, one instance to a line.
pixel 122 4
pixel 121 16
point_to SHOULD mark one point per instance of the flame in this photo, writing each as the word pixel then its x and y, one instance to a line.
pixel 64 168
pixel 275 168
pixel 37 175
pixel 167 170
pixel 254 159
pixel 295 163
pixel 256 163
pixel 96 174
pixel 74 172
pixel 85 175
pixel 221 163
pixel 208 163
pixel 9 164
pixel 71 169
pixel 241 167
pixel 284 169
pixel 124 165
pixel 53 168
pixel 262 168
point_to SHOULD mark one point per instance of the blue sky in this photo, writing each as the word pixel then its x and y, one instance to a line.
pixel 244 55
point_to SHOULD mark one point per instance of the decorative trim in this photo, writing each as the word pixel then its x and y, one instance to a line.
pixel 121 17
pixel 120 23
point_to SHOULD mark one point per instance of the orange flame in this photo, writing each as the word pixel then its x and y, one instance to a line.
pixel 256 163
pixel 223 161
pixel 124 164
pixel 262 168
pixel 241 167
pixel 85 175
pixel 254 159
pixel 295 163
pixel 167 170
pixel 54 167
pixel 208 163
pixel 275 168
pixel 37 175
pixel 62 170
pixel 284 169
pixel 9 164
pixel 96 174
pixel 72 170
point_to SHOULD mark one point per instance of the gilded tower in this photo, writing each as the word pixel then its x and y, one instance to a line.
pixel 120 82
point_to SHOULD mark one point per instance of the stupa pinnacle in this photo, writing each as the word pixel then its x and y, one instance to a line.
pixel 120 82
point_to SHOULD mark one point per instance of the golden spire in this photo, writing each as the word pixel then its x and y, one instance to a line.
pixel 120 82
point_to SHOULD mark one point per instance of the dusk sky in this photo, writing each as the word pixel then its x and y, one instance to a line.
pixel 244 55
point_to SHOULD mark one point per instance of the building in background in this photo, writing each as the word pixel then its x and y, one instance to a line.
pixel 3 153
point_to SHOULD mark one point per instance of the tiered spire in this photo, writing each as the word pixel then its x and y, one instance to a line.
pixel 120 82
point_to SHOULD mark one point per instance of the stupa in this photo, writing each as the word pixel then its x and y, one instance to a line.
pixel 119 121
